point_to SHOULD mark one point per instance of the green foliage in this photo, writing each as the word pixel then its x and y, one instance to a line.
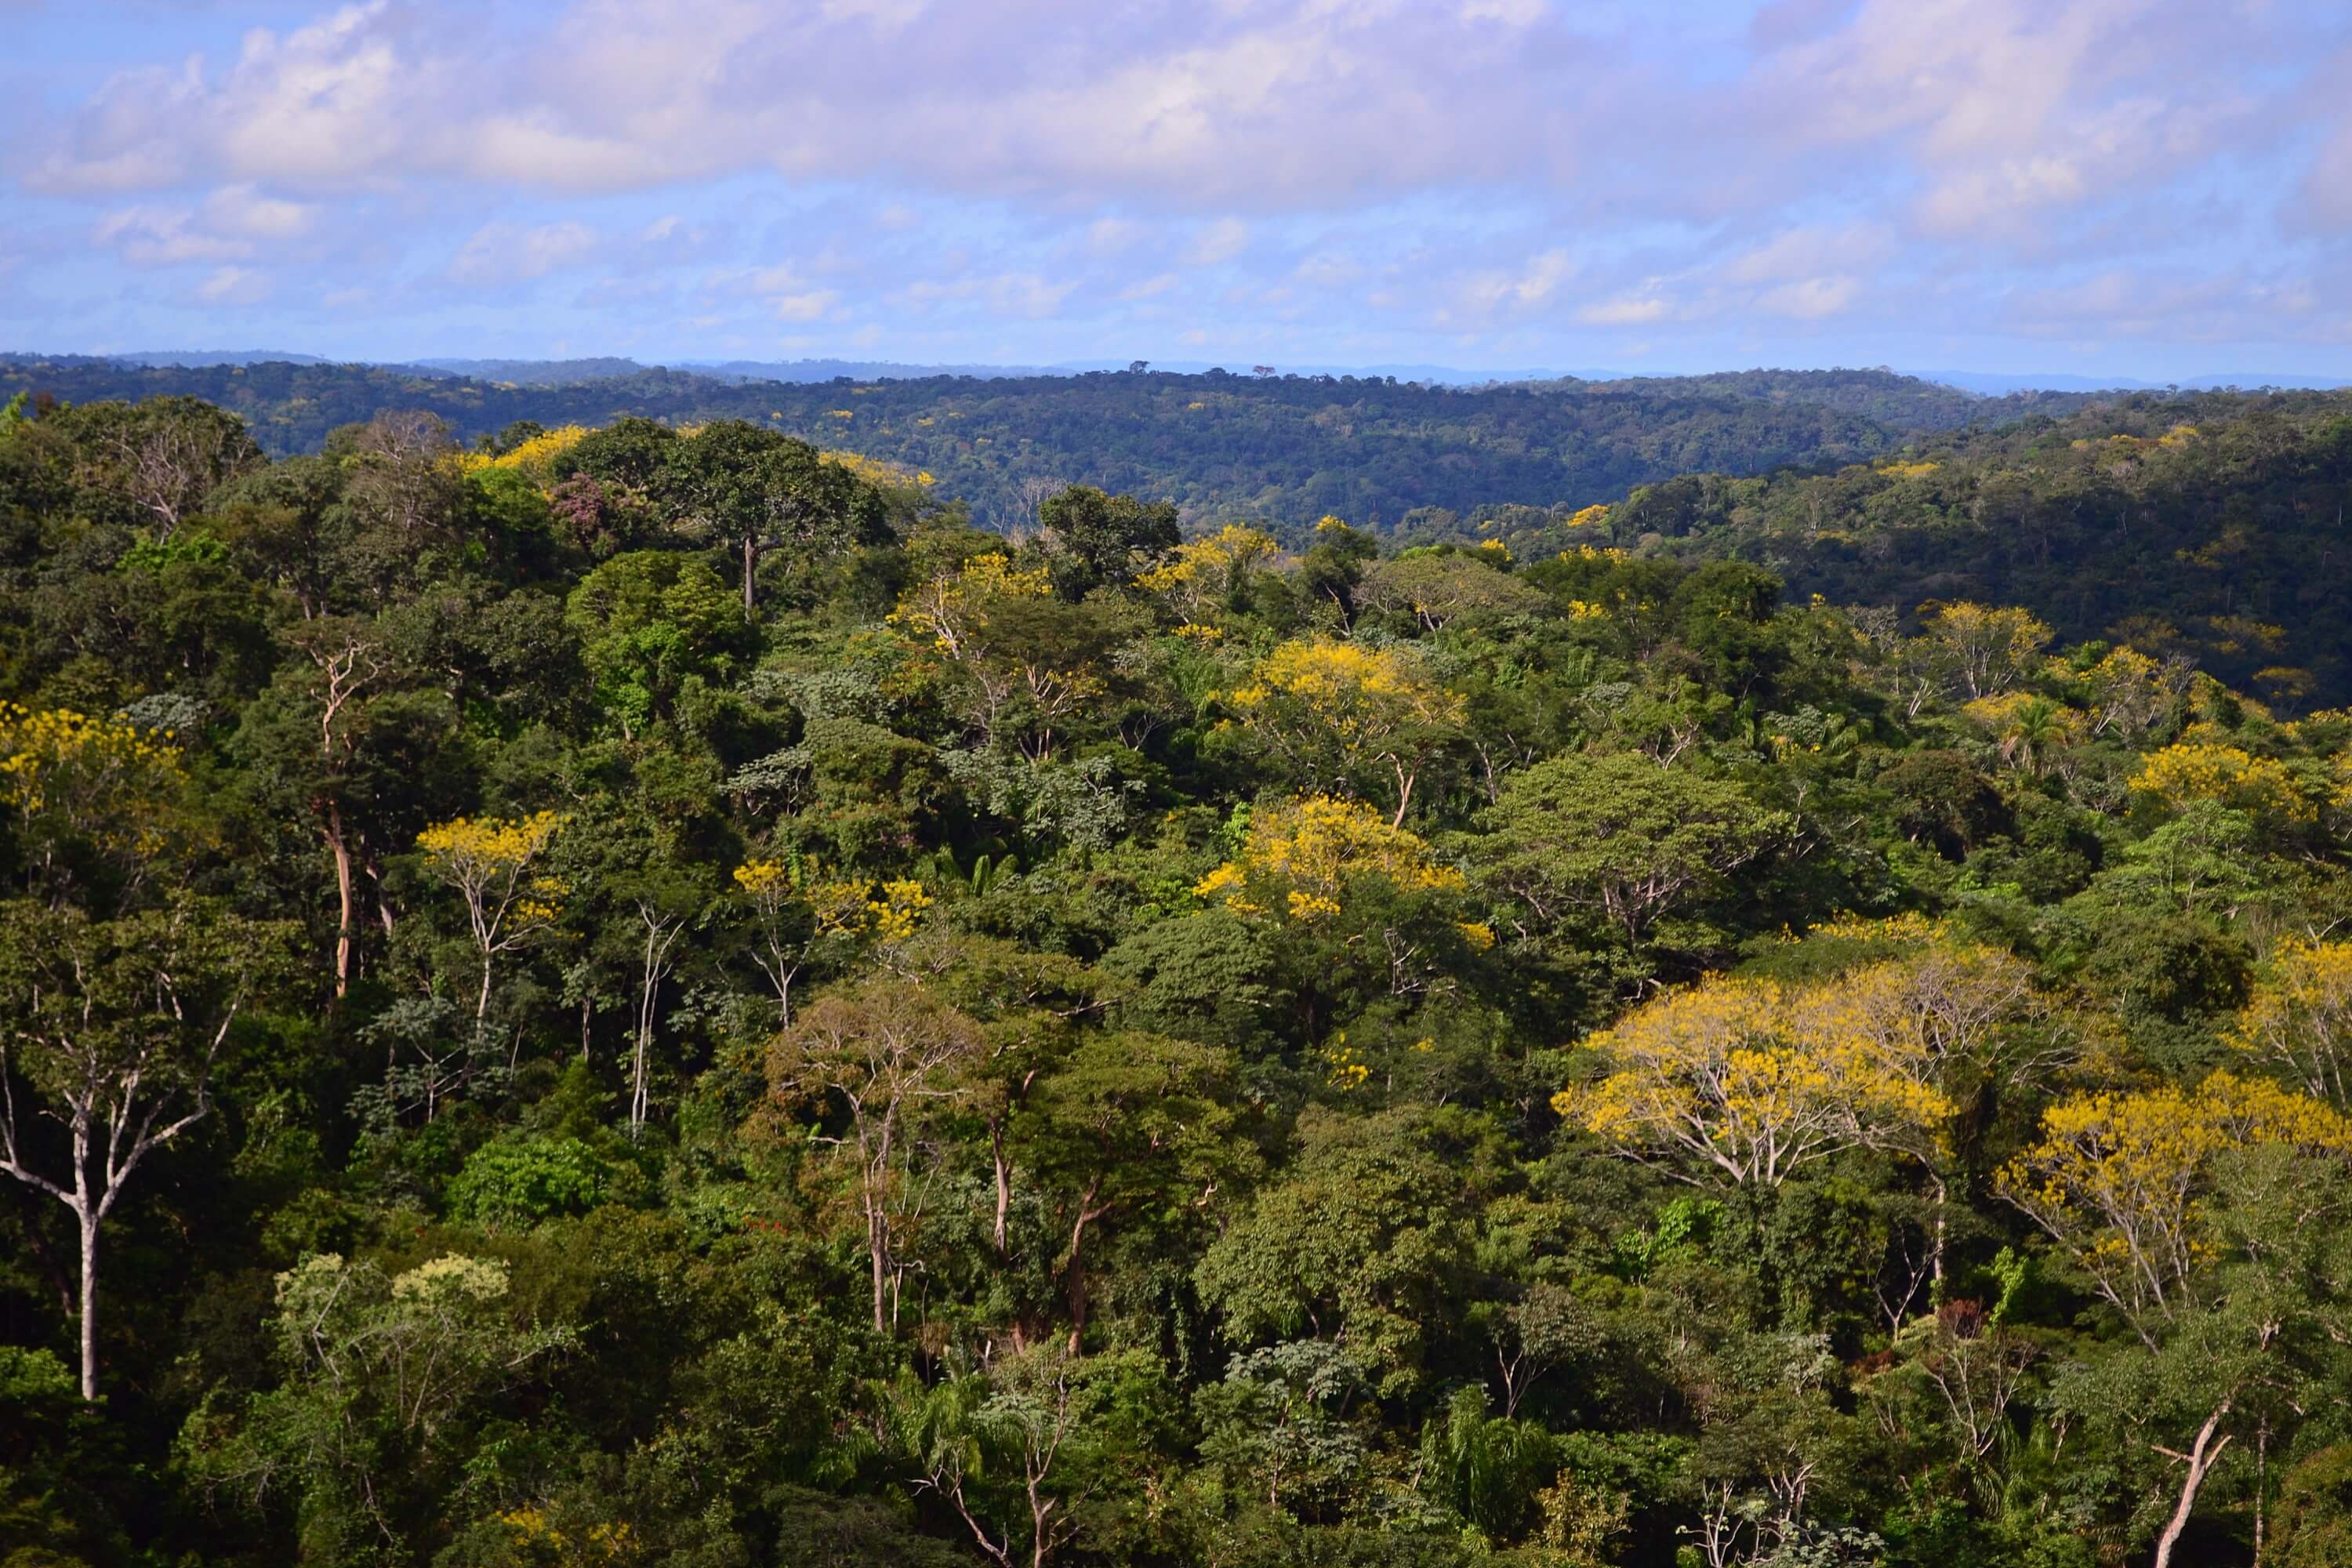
pixel 1161 1042
pixel 518 1180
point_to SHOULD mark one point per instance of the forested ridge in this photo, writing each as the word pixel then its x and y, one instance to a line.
pixel 653 994
pixel 1275 450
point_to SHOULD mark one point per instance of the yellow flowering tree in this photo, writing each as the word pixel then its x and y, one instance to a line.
pixel 1755 1078
pixel 2119 1178
pixel 1304 855
pixel 533 457
pixel 2028 726
pixel 2190 1212
pixel 1344 716
pixel 2129 690
pixel 2179 775
pixel 1969 650
pixel 794 903
pixel 1208 571
pixel 1986 649
pixel 1365 898
pixel 105 783
pixel 496 866
pixel 1018 649
pixel 2299 1018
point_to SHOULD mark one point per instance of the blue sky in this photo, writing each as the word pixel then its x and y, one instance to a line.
pixel 2126 187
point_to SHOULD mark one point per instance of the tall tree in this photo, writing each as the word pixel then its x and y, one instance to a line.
pixel 114 1029
pixel 887 1057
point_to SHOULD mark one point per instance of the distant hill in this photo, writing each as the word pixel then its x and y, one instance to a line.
pixel 2000 384
pixel 1282 448
pixel 526 372
pixel 2207 523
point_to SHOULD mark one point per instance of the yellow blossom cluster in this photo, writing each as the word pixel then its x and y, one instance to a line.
pixel 1358 691
pixel 1201 573
pixel 837 905
pixel 108 780
pixel 954 605
pixel 1589 516
pixel 1349 1070
pixel 2117 1176
pixel 2299 1017
pixel 875 471
pixel 1755 1078
pixel 543 1539
pixel 534 457
pixel 894 909
pixel 2129 691
pixel 2192 771
pixel 485 859
pixel 1919 471
pixel 1310 851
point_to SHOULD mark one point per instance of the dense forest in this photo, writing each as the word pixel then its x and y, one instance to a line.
pixel 2209 525
pixel 1274 450
pixel 654 994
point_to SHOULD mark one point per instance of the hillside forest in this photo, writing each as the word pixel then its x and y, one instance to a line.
pixel 646 992
pixel 1275 450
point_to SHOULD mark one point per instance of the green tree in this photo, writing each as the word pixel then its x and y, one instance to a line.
pixel 1130 1121
pixel 384 1384
pixel 1094 541
pixel 114 1030
pixel 1618 840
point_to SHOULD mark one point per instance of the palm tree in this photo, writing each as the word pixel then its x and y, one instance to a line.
pixel 2037 728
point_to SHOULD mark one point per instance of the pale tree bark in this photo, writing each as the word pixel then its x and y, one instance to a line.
pixel 2199 1459
pixel 887 1053
pixel 113 1119
pixel 662 930
pixel 348 664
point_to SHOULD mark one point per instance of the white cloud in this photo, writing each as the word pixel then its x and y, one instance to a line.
pixel 511 253
pixel 2324 198
pixel 1811 298
pixel 1810 249
pixel 234 286
pixel 1451 167
pixel 1625 311
pixel 164 237
pixel 242 209
pixel 1218 243
pixel 809 307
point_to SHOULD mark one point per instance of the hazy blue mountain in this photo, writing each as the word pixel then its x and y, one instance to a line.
pixel 1994 384
pixel 802 370
pixel 183 359
pixel 528 371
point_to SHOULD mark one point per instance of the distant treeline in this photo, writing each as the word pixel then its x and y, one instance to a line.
pixel 1272 449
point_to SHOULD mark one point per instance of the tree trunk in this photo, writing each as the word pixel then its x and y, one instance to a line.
pixel 342 850
pixel 1003 1183
pixel 2200 1458
pixel 750 570
pixel 89 1219
pixel 1074 1280
pixel 878 1239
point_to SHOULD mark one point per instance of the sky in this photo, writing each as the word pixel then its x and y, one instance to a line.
pixel 2146 189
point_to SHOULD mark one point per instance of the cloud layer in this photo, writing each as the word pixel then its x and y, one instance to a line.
pixel 2138 185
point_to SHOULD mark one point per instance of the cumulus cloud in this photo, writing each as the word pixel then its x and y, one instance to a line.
pixel 1455 167
pixel 513 253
